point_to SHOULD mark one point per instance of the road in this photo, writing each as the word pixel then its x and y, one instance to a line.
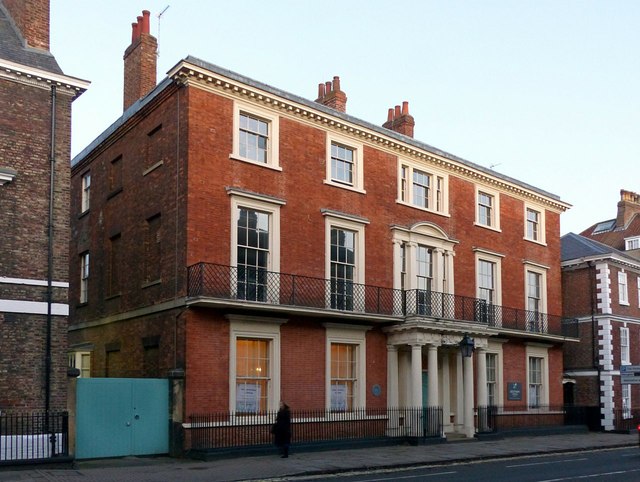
pixel 606 465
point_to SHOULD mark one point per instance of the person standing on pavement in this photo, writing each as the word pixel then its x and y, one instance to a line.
pixel 281 430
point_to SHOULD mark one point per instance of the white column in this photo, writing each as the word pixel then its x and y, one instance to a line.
pixel 392 376
pixel 432 360
pixel 446 391
pixel 438 262
pixel 416 376
pixel 469 429
pixel 459 392
pixel 482 388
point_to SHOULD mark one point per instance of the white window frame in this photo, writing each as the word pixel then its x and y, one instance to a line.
pixel 85 265
pixel 623 288
pixel 77 360
pixel 271 206
pixel 256 327
pixel 85 201
pixel 626 401
pixel 541 224
pixel 632 243
pixel 358 162
pixel 354 224
pixel 638 291
pixel 407 192
pixel 495 217
pixel 625 352
pixel 495 348
pixel 542 271
pixel 539 351
pixel 273 141
pixel 496 259
pixel 350 335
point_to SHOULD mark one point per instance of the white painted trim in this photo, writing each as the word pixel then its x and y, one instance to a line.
pixel 33 307
pixel 273 137
pixel 32 282
pixel 71 82
pixel 349 335
pixel 357 184
pixel 495 218
pixel 603 283
pixel 542 237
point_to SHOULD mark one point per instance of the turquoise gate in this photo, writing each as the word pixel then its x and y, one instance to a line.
pixel 117 417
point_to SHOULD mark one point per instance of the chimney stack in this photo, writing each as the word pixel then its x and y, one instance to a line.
pixel 329 94
pixel 32 19
pixel 140 60
pixel 628 206
pixel 399 120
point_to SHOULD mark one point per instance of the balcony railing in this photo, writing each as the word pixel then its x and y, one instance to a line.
pixel 262 286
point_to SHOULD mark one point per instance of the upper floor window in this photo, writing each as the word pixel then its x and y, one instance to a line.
pixel 345 261
pixel 115 176
pixel 86 191
pixel 255 137
pixel 487 208
pixel 153 249
pixel 113 268
pixel 625 358
pixel 534 224
pixel 488 287
pixel 422 189
pixel 156 146
pixel 255 245
pixel 638 281
pixel 632 243
pixel 344 163
pixel 623 292
pixel 84 277
pixel 536 297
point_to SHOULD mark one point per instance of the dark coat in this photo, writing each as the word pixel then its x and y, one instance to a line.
pixel 282 428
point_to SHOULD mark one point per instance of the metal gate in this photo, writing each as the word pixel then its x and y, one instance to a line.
pixel 117 417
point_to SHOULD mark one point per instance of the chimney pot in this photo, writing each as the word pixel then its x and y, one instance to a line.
pixel 327 85
pixel 145 21
pixel 336 83
pixel 397 112
pixel 405 108
pixel 390 115
pixel 320 91
pixel 134 32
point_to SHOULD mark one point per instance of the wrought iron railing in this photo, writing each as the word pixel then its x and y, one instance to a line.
pixel 231 430
pixel 626 419
pixel 257 285
pixel 491 419
pixel 33 436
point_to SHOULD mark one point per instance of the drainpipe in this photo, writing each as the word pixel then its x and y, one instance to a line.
pixel 594 331
pixel 52 160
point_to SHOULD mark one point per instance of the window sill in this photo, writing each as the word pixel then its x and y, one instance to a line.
pixel 541 243
pixel 439 213
pixel 345 186
pixel 271 166
pixel 82 305
pixel 624 303
pixel 114 193
pixel 113 297
pixel 83 214
pixel 151 283
pixel 152 168
pixel 490 228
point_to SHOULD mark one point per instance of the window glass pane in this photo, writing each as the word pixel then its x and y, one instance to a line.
pixel 342 164
pixel 343 258
pixel 253 138
pixel 252 254
pixel 252 375
pixel 343 376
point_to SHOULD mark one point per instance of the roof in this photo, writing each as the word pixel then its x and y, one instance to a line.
pixel 608 233
pixel 13 47
pixel 133 109
pixel 576 246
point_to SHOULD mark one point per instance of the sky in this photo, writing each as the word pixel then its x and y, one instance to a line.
pixel 544 91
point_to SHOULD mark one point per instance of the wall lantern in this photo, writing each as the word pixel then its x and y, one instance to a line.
pixel 467 345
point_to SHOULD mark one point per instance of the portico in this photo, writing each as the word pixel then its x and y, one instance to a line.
pixel 426 368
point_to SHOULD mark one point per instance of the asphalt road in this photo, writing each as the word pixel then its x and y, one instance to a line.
pixel 603 465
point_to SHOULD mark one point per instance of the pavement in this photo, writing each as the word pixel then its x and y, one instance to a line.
pixel 272 467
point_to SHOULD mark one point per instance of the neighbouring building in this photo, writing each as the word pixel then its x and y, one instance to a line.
pixel 601 288
pixel 35 137
pixel 270 247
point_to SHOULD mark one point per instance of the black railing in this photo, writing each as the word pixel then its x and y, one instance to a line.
pixel 33 436
pixel 231 283
pixel 626 419
pixel 500 419
pixel 231 430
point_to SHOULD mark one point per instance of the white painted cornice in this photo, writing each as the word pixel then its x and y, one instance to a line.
pixel 41 78
pixel 187 73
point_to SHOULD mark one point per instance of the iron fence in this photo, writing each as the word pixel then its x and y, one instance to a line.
pixel 33 436
pixel 232 430
pixel 258 285
pixel 626 419
pixel 491 419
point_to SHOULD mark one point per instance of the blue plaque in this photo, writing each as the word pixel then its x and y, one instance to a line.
pixel 376 390
pixel 514 391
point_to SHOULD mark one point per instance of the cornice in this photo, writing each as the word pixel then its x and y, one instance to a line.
pixel 193 75
pixel 41 78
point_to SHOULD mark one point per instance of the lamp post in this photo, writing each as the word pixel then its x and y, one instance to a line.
pixel 467 346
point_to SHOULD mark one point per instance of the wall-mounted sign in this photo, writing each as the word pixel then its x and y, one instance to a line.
pixel 630 374
pixel 514 391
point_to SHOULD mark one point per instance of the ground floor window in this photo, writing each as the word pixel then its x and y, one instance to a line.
pixel 252 375
pixel 343 376
pixel 535 381
pixel 626 401
pixel 492 370
pixel 82 361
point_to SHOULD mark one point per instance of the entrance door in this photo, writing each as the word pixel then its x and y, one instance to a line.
pixel 116 417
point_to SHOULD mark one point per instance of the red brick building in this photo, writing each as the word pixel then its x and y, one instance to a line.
pixel 35 136
pixel 276 248
pixel 601 288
